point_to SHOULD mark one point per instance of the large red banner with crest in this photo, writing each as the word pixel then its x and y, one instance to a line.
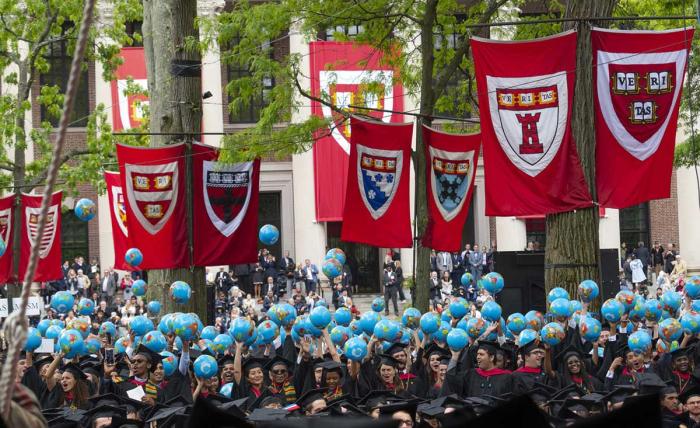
pixel 525 95
pixel 49 263
pixel 377 210
pixel 639 80
pixel 153 181
pixel 450 168
pixel 225 209
pixel 7 234
pixel 346 74
pixel 117 213
pixel 127 106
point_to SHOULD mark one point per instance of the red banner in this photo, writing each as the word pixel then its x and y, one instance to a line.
pixel 49 264
pixel 450 168
pixel 117 212
pixel 347 74
pixel 639 80
pixel 153 181
pixel 225 209
pixel 377 210
pixel 7 234
pixel 127 109
pixel 525 91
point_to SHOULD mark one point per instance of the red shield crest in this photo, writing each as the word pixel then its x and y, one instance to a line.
pixel 47 239
pixel 6 224
pixel 152 193
pixel 227 191
pixel 128 106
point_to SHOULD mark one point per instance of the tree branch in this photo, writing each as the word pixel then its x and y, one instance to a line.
pixel 318 99
pixel 65 158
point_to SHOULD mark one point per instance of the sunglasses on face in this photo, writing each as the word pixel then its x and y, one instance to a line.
pixel 279 372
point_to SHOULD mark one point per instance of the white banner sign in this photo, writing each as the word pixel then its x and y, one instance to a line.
pixel 33 306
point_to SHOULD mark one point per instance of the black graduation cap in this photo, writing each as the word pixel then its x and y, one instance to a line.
pixel 693 391
pixel 575 408
pixel 433 348
pixel 253 362
pixel 75 371
pixel 620 393
pixel 566 392
pixel 196 353
pixel 388 360
pixel 377 397
pixel 225 359
pixel 258 402
pixel 92 367
pixel 409 407
pixel 650 383
pixel 40 362
pixel 119 400
pixel 205 414
pixel 167 416
pixel 267 415
pixel 310 396
pixel 395 348
pixel 679 352
pixel 106 410
pixel 539 395
pixel 64 417
pixel 638 412
pixel 331 365
pixel 345 406
pixel 530 346
pixel 279 360
pixel 153 357
pixel 429 410
pixel 622 351
pixel 490 347
pixel 568 351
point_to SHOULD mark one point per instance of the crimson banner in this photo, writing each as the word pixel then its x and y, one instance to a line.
pixel 346 74
pixel 117 213
pixel 639 78
pixel 377 210
pixel 7 234
pixel 49 263
pixel 153 183
pixel 225 209
pixel 127 108
pixel 525 95
pixel 450 168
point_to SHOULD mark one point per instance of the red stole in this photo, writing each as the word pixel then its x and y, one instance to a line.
pixel 492 372
pixel 255 391
pixel 532 370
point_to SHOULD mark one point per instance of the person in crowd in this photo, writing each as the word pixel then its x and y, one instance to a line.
pixel 638 276
pixel 445 286
pixel 669 257
pixel 476 262
pixel 444 263
pixel 258 278
pixel 391 289
pixel 398 270
pixel 657 258
pixel 310 274
pixel 680 269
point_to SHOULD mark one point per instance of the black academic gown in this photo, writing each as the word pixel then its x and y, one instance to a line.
pixel 124 385
pixel 471 383
pixel 177 385
pixel 523 382
pixel 32 380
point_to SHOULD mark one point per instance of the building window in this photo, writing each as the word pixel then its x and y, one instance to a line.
pixel 249 113
pixel 74 237
pixel 536 230
pixel 634 225
pixel 134 28
pixel 59 59
pixel 349 31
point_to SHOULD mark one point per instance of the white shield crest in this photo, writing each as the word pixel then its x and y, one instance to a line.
pixel 151 203
pixel 119 208
pixel 227 190
pixel 32 220
pixel 131 105
pixel 6 224
pixel 378 177
pixel 344 88
pixel 529 115
pixel 450 180
pixel 640 148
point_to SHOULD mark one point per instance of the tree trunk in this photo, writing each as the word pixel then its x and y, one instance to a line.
pixel 572 253
pixel 422 298
pixel 174 108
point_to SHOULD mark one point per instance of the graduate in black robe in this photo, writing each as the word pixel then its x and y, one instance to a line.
pixel 143 362
pixel 485 379
pixel 573 371
pixel 537 368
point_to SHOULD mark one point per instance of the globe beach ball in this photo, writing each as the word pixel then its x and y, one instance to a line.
pixel 493 282
pixel 491 311
pixel 301 325
pixel 637 312
pixel 268 330
pixel 560 308
pixel 626 297
pixel 120 345
pixel 321 302
pixel 378 304
pixel 86 306
pixel 133 257
pixel 457 339
pixel 355 327
pixel 336 253
pixel 411 318
pixel 92 345
pixel 343 316
pixel 534 320
pixel 226 389
pixel 205 367
pixel 340 335
pixel 70 342
pixel 43 325
pixel 639 342
pixel 269 234
pixel 459 308
pixel 332 268
pixel 552 334
pixel 588 290
pixel 165 325
pixel 153 307
pixel 81 325
pixel 85 209
pixel 441 334
pixel 612 310
pixel 209 332
pixel 59 323
pixel 476 327
pixel 355 349
pixel 671 301
pixel 223 342
pixel 653 310
pixel 526 336
pixel 466 279
pixel 242 329
pixel 180 292
pixel 670 329
pixel 286 314
pixel 368 320
pixel 33 339
pixel 170 362
pixel 312 329
pixel 589 328
pixel 62 302
pixel 576 305
pixel 446 315
pixel 185 326
pixel 320 317
pixel 429 322
pixel 387 330
pixel 53 332
pixel 108 327
pixel 155 341
pixel 557 293
pixel 138 288
pixel 140 325
pixel 690 321
pixel 692 287
pixel 516 323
